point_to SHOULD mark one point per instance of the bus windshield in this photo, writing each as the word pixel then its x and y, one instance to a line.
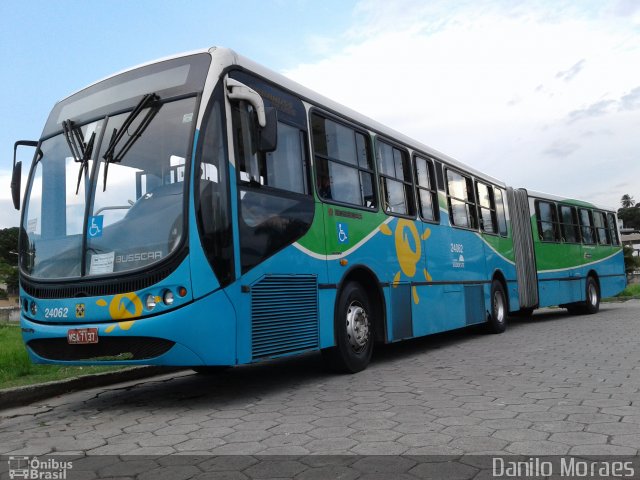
pixel 92 212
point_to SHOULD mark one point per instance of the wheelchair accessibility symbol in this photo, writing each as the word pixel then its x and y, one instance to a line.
pixel 343 232
pixel 95 226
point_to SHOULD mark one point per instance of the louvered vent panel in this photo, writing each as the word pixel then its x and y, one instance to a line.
pixel 284 315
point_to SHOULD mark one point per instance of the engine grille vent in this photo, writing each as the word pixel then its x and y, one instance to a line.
pixel 284 315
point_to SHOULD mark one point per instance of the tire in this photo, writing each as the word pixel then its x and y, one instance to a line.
pixel 592 296
pixel 497 322
pixel 591 302
pixel 353 329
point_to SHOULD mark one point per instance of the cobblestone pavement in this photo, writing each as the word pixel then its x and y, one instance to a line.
pixel 554 384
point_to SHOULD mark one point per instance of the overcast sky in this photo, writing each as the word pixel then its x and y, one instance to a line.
pixel 543 95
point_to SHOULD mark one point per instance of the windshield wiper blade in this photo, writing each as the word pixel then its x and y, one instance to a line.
pixel 80 151
pixel 151 101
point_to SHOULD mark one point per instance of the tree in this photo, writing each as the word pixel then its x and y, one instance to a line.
pixel 630 217
pixel 9 276
pixel 631 262
pixel 627 201
pixel 9 244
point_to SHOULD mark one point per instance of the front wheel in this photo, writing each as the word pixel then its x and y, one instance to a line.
pixel 353 327
pixel 497 322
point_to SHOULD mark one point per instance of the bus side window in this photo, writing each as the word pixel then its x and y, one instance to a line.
pixel 427 192
pixel 612 226
pixel 547 221
pixel 487 207
pixel 500 213
pixel 569 224
pixel 344 170
pixel 600 223
pixel 462 205
pixel 284 168
pixel 395 180
pixel 586 225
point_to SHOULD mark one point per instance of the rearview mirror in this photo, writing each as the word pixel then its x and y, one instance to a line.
pixel 268 135
pixel 16 175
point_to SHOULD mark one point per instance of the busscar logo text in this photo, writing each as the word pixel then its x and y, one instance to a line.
pixel 139 257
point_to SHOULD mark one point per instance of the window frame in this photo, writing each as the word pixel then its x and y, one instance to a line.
pixel 431 190
pixel 575 225
pixel 554 221
pixel 607 234
pixel 368 143
pixel 408 186
pixel 590 227
pixel 471 204
pixel 262 161
pixel 491 208
pixel 503 215
pixel 612 226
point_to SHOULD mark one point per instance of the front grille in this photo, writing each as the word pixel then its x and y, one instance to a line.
pixel 87 287
pixel 107 349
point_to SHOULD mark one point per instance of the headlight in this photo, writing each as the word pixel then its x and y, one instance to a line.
pixel 34 308
pixel 167 298
pixel 150 302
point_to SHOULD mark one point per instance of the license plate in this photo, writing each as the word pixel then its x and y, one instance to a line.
pixel 82 335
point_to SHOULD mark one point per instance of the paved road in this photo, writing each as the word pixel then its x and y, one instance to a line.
pixel 554 384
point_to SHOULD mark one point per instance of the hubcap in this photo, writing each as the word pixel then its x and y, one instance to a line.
pixel 593 294
pixel 498 307
pixel 357 326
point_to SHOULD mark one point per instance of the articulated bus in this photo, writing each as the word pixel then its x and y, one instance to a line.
pixel 204 211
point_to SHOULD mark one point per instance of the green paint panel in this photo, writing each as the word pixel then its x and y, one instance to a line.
pixel 360 224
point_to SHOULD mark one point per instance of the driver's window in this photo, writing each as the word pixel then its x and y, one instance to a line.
pixel 276 207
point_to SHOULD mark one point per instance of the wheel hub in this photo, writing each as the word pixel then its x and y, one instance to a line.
pixel 357 326
pixel 498 307
pixel 593 294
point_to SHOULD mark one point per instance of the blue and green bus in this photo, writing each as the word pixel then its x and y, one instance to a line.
pixel 204 211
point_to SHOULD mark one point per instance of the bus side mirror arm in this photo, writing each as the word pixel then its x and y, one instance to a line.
pixel 239 91
pixel 16 175
pixel 267 117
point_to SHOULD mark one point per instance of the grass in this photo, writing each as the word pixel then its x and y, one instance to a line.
pixel 630 291
pixel 17 370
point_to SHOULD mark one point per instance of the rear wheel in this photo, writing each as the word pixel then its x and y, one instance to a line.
pixel 497 322
pixel 353 327
pixel 592 299
pixel 591 303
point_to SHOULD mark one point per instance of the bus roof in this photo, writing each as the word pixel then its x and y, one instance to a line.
pixel 230 57
pixel 573 201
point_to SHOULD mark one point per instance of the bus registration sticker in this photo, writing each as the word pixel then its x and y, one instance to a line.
pixel 81 336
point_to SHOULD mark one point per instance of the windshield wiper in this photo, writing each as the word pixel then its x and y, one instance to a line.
pixel 80 151
pixel 151 101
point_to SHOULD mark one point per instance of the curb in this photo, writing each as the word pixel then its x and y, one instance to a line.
pixel 21 396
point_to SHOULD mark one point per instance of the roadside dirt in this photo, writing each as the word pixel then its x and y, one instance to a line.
pixel 10 302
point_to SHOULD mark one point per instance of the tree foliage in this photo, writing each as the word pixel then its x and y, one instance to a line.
pixel 630 217
pixel 9 258
pixel 631 262
pixel 9 244
pixel 627 201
